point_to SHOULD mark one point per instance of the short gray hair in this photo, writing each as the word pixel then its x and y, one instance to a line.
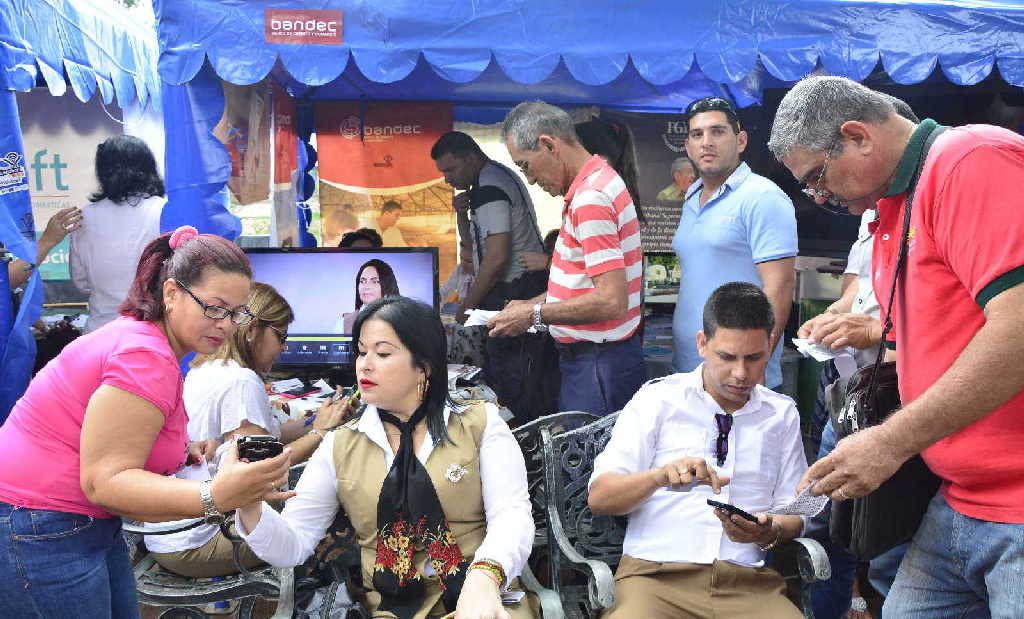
pixel 532 119
pixel 682 162
pixel 813 111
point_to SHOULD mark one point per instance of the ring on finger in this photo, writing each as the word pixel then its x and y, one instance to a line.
pixel 842 494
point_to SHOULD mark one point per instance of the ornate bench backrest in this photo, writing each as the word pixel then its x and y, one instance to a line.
pixel 569 460
pixel 529 439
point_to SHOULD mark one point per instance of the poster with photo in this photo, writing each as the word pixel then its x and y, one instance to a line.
pixel 376 172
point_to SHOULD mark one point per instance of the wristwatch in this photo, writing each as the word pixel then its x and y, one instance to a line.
pixel 859 604
pixel 536 321
pixel 210 513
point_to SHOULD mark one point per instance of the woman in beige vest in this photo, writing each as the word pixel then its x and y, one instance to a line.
pixel 435 491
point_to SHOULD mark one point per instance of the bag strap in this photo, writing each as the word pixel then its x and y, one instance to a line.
pixel 902 258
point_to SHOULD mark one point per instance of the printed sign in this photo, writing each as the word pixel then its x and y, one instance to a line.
pixel 12 174
pixel 302 27
pixel 376 172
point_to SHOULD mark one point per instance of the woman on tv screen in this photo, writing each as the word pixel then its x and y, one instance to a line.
pixel 374 279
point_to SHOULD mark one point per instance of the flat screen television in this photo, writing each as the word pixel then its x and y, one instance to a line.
pixel 321 286
pixel 661 277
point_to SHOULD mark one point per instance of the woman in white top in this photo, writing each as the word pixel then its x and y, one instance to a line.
pixel 436 492
pixel 225 396
pixel 124 216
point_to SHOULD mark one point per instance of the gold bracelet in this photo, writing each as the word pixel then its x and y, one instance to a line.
pixel 491 568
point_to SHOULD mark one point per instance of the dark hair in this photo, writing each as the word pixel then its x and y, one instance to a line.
pixel 363 234
pixel 738 305
pixel 457 144
pixel 389 206
pixel 187 264
pixel 713 104
pixel 614 142
pixel 550 239
pixel 419 329
pixel 388 281
pixel 125 168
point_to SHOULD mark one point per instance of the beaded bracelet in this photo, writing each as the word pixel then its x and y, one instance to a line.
pixel 491 568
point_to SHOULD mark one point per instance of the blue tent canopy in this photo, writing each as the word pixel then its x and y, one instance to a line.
pixel 644 54
pixel 61 43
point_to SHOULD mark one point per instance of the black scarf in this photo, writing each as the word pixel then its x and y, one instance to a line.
pixel 410 518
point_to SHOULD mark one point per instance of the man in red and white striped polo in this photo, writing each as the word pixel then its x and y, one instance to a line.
pixel 592 305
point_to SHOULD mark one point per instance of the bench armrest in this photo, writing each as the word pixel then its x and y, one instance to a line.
pixel 164 528
pixel 600 582
pixel 550 604
pixel 812 560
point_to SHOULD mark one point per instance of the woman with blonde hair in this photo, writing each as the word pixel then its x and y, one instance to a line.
pixel 225 397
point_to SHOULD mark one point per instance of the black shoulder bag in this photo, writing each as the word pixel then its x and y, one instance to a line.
pixel 889 516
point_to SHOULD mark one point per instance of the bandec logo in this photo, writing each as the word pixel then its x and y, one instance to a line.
pixel 350 130
pixel 316 27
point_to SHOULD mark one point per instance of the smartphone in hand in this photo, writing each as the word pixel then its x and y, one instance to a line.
pixel 258 447
pixel 732 509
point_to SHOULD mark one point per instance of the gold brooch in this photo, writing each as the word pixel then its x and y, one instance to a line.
pixel 455 473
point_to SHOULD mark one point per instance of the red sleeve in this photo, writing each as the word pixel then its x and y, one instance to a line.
pixel 978 220
pixel 147 374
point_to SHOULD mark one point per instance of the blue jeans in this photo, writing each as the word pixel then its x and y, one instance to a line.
pixel 56 565
pixel 602 378
pixel 960 567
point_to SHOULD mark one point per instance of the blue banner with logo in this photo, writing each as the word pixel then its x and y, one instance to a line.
pixel 17 233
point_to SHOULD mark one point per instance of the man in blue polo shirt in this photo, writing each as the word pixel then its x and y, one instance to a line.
pixel 735 226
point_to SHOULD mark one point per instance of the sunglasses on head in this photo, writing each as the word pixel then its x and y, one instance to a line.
pixel 714 104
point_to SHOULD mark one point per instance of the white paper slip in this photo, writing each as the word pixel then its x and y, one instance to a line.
pixel 479 317
pixel 843 358
pixel 280 386
pixel 803 504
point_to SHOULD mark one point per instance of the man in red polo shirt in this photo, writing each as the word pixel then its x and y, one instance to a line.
pixel 592 304
pixel 957 335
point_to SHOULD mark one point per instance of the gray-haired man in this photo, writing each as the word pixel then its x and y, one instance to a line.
pixel 957 331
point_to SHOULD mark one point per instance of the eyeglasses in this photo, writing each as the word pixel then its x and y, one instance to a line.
pixel 215 312
pixel 724 423
pixel 282 336
pixel 830 204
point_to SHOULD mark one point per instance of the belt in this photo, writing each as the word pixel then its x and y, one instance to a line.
pixel 575 350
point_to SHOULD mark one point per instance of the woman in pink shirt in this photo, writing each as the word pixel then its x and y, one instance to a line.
pixel 102 428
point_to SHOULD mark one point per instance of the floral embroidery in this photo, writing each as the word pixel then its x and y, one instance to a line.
pixel 398 543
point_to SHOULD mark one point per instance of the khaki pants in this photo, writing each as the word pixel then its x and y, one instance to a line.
pixel 213 558
pixel 674 590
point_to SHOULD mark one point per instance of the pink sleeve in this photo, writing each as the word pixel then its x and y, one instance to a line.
pixel 147 374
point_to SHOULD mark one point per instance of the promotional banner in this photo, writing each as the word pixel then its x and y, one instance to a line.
pixel 660 140
pixel 284 231
pixel 245 131
pixel 376 172
pixel 60 136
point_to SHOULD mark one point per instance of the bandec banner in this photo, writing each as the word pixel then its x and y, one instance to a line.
pixel 285 228
pixel 374 156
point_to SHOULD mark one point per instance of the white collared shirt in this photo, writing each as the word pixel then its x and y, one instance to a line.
pixel 288 538
pixel 674 417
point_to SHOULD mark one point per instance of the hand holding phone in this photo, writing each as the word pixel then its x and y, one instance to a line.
pixel 732 509
pixel 258 447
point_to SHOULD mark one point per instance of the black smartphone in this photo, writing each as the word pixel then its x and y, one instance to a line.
pixel 258 447
pixel 732 509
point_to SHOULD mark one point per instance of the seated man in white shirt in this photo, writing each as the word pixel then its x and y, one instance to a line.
pixel 713 433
